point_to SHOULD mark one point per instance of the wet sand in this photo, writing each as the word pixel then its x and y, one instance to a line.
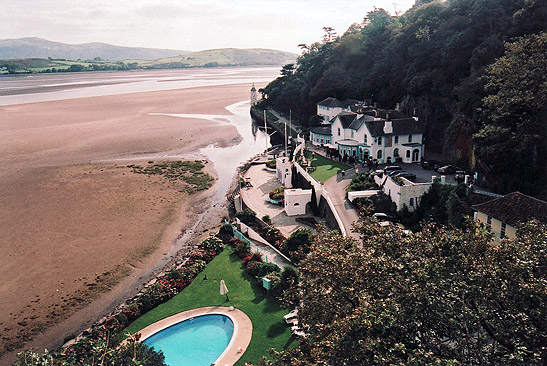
pixel 79 232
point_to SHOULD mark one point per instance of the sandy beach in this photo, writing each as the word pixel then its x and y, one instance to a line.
pixel 79 230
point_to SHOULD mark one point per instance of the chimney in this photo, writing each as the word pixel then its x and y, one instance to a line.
pixel 375 105
pixel 397 106
pixel 375 113
pixel 388 127
pixel 415 114
pixel 387 115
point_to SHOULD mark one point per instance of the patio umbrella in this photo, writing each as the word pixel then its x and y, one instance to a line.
pixel 224 289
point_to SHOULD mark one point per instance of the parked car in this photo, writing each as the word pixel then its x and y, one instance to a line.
pixel 459 176
pixel 411 177
pixel 429 164
pixel 382 216
pixel 391 168
pixel 447 169
pixel 394 172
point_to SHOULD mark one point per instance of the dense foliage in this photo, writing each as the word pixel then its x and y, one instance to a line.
pixel 98 352
pixel 440 57
pixel 438 297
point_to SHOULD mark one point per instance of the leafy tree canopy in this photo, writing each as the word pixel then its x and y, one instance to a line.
pixel 438 297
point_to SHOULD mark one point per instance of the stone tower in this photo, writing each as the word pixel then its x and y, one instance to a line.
pixel 254 96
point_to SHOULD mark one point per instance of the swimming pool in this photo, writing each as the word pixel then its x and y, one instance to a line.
pixel 197 341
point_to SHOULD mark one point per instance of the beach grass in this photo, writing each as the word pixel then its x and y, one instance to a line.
pixel 324 168
pixel 265 312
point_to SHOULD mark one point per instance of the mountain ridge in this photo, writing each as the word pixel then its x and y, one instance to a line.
pixel 35 47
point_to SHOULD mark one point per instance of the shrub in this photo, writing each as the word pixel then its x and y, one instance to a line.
pixel 266 268
pixel 272 234
pixel 233 242
pixel 299 240
pixel 289 277
pixel 275 281
pixel 202 255
pixel 225 233
pixel 242 250
pixel 252 267
pixel 362 182
pixel 266 219
pixel 247 216
pixel 257 256
pixel 270 164
pixel 174 275
pixel 212 243
pixel 277 193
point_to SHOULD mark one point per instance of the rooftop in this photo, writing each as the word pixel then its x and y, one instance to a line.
pixel 514 208
pixel 401 126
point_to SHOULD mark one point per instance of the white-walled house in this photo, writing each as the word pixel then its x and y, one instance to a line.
pixel 330 107
pixel 321 135
pixel 388 136
pixel 402 192
pixel 505 214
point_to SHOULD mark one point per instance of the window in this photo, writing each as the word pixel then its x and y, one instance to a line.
pixel 489 221
pixel 409 138
pixel 351 133
pixel 411 202
pixel 338 131
pixel 396 139
pixel 396 152
pixel 379 155
pixel 502 231
pixel 297 204
pixel 365 140
pixel 408 153
pixel 379 141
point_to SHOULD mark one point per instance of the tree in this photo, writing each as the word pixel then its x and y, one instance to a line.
pixel 439 297
pixel 511 144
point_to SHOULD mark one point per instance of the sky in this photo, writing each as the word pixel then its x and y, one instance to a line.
pixel 191 25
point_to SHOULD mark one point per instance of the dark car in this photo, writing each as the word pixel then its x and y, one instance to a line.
pixel 390 168
pixel 459 176
pixel 411 177
pixel 447 169
pixel 429 164
pixel 394 172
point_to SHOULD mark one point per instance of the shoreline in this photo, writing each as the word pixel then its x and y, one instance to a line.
pixel 204 204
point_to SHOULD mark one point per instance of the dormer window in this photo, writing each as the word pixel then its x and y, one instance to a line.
pixel 379 141
pixel 365 140
pixel 338 131
pixel 409 138
pixel 396 139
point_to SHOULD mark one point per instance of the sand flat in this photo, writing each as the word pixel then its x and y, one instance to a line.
pixel 74 219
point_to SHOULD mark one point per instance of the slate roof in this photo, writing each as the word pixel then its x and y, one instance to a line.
pixel 330 102
pixel 514 208
pixel 346 118
pixel 350 102
pixel 322 130
pixel 333 102
pixel 358 122
pixel 401 126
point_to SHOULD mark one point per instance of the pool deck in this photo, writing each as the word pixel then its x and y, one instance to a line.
pixel 243 330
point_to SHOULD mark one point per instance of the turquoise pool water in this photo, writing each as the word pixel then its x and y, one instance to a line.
pixel 197 341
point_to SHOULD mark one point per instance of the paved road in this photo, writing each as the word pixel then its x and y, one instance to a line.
pixel 336 186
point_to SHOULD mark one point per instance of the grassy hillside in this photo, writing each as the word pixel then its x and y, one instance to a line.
pixel 208 58
pixel 33 47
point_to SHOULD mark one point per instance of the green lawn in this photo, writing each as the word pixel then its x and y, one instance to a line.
pixel 269 328
pixel 325 168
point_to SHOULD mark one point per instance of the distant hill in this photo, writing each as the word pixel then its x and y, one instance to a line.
pixel 40 48
pixel 208 58
pixel 226 57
